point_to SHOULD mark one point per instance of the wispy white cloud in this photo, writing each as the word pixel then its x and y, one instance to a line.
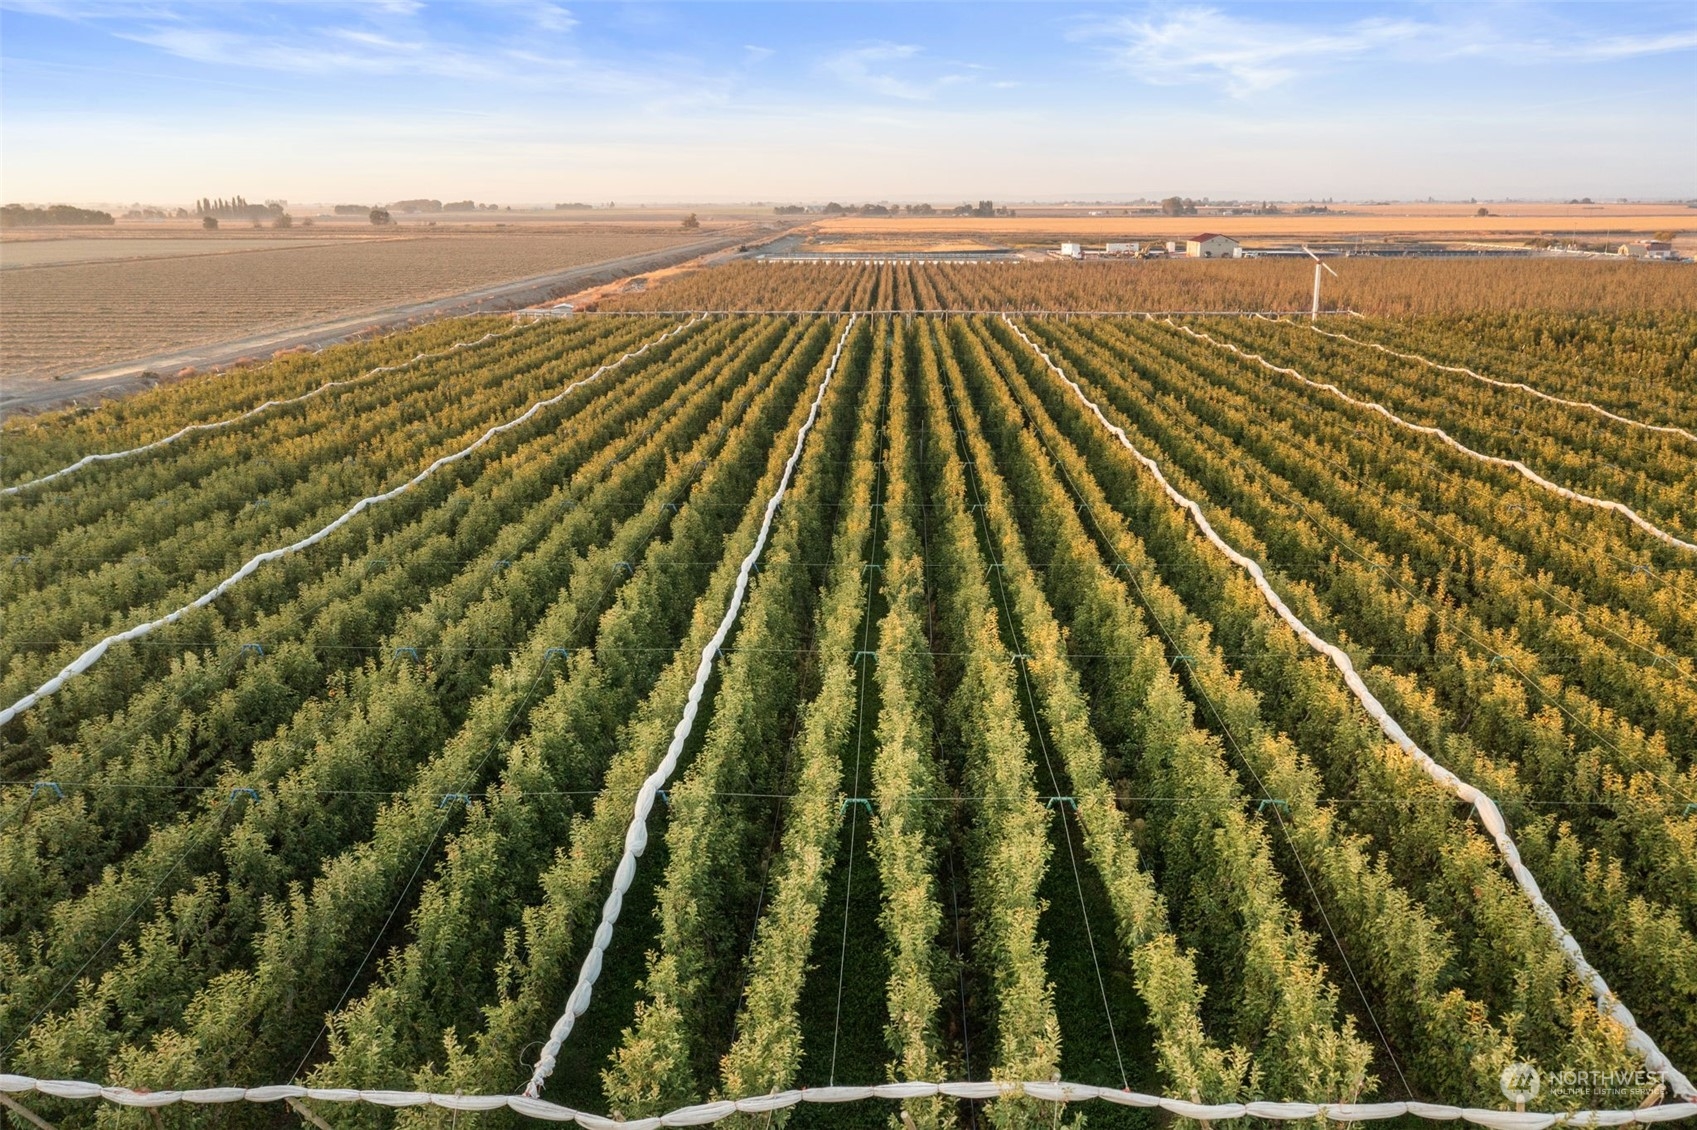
pixel 553 17
pixel 1246 55
pixel 527 44
pixel 1606 49
pixel 874 68
pixel 375 41
pixel 325 51
pixel 518 99
pixel 357 37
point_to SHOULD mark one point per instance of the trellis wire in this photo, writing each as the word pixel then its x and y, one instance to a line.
pixel 1526 472
pixel 107 456
pixel 1489 815
pixel 636 836
pixel 1585 404
pixel 88 658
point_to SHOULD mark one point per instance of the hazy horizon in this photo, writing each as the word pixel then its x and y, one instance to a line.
pixel 163 102
pixel 941 201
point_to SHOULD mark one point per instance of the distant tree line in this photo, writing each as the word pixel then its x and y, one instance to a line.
pixel 413 206
pixel 1171 206
pixel 1186 206
pixel 18 216
pixel 423 204
pixel 982 208
pixel 572 205
pixel 237 208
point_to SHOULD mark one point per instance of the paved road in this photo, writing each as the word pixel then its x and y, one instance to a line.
pixel 90 385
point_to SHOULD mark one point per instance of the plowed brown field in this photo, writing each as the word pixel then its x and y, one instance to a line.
pixel 64 318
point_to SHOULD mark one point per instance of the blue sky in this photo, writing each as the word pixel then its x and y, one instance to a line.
pixel 162 101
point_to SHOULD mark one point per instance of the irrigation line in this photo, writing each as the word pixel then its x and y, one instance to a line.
pixel 1585 404
pixel 1489 814
pixel 88 658
pixel 702 1114
pixel 1514 464
pixel 636 837
pixel 107 456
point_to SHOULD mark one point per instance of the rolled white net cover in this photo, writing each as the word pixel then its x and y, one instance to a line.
pixel 1489 814
pixel 88 658
pixel 702 1114
pixel 636 837
pixel 1525 472
pixel 108 456
pixel 1668 429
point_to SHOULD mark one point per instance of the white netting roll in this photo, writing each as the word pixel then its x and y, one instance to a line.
pixel 1514 464
pixel 636 836
pixel 88 658
pixel 107 456
pixel 1607 1002
pixel 1465 371
pixel 702 1114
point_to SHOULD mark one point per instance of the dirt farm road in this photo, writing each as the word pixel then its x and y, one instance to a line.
pixel 40 394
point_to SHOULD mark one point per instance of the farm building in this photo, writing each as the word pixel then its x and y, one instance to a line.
pixel 1211 246
pixel 1648 249
pixel 1123 249
pixel 1072 250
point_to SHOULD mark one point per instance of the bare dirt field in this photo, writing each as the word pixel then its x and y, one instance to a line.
pixel 65 318
pixel 16 253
